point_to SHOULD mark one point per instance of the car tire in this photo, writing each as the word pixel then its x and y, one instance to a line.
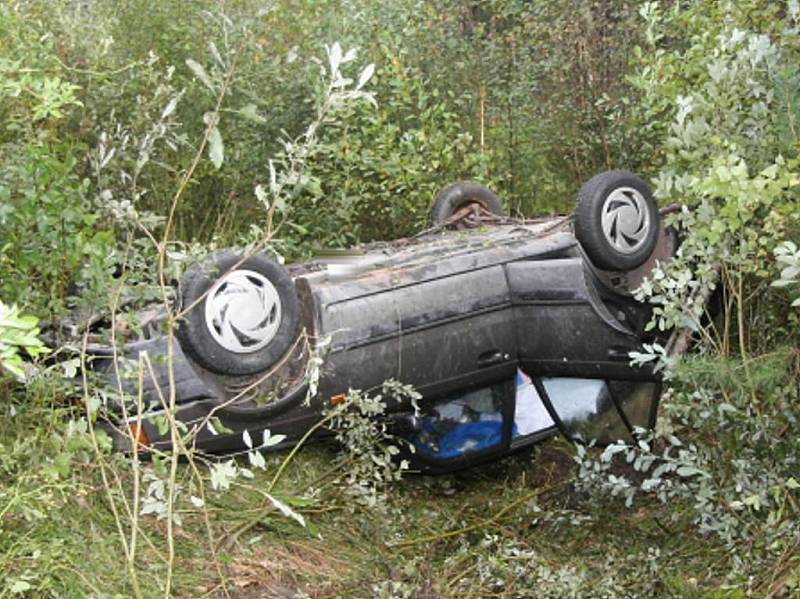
pixel 243 314
pixel 617 220
pixel 460 195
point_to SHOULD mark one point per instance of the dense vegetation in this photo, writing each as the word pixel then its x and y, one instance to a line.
pixel 136 135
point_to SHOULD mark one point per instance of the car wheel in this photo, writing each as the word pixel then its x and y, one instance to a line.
pixel 243 314
pixel 616 220
pixel 464 194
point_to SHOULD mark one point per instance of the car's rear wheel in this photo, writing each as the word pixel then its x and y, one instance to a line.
pixel 466 197
pixel 242 314
pixel 617 220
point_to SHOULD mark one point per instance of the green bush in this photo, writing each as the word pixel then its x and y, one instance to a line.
pixel 17 332
pixel 112 114
pixel 381 168
pixel 727 158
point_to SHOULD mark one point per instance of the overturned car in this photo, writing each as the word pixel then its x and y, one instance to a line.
pixel 511 330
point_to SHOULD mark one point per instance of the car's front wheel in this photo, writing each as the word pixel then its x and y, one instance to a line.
pixel 242 313
pixel 617 220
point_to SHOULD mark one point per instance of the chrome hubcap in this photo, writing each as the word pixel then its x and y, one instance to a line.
pixel 625 220
pixel 243 311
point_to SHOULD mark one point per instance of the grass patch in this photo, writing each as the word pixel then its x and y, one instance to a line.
pixel 515 528
pixel 59 537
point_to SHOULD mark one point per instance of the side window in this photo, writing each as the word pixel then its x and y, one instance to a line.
pixel 603 411
pixel 466 424
pixel 586 409
pixel 487 419
pixel 638 401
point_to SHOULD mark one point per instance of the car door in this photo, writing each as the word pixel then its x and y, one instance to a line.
pixel 456 331
pixel 563 327
pixel 437 328
pixel 464 428
pixel 576 348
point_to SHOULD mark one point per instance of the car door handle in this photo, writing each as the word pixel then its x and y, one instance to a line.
pixel 492 357
pixel 619 354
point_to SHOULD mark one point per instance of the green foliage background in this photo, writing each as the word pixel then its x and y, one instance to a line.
pixel 101 115
pixel 531 99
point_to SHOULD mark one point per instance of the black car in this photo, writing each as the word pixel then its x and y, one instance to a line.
pixel 510 330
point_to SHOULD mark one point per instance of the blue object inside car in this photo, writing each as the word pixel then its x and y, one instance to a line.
pixel 459 440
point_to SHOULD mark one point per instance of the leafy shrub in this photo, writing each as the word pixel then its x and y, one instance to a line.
pixel 367 446
pixel 789 257
pixel 379 170
pixel 724 159
pixel 733 474
pixel 17 333
pixel 726 452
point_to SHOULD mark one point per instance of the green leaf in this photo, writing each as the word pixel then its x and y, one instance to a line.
pixel 216 427
pixel 753 501
pixel 365 76
pixel 200 73
pixel 688 471
pixel 222 474
pixel 261 195
pixel 161 423
pixel 269 439
pixel 312 529
pixel 298 501
pixel 215 150
pixel 159 466
pixel 286 510
pixel 19 587
pixel 250 112
pixel 257 460
pixel 62 463
pixel 335 57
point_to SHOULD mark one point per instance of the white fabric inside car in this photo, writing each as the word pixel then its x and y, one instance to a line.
pixel 530 415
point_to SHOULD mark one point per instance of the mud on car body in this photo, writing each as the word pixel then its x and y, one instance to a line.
pixel 511 330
